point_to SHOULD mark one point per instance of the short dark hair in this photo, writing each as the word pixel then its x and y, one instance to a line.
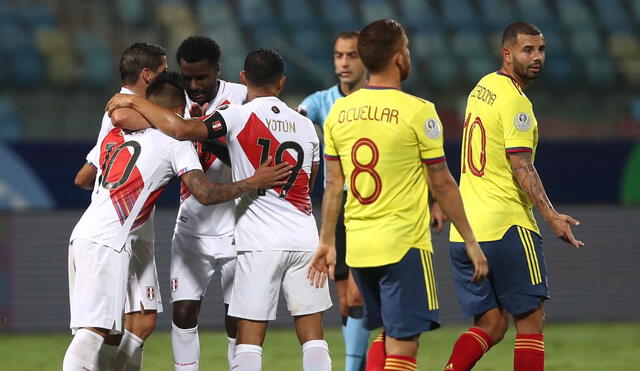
pixel 512 31
pixel 378 42
pixel 346 35
pixel 137 57
pixel 167 90
pixel 196 48
pixel 263 67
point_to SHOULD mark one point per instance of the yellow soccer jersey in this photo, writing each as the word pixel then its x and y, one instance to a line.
pixel 382 138
pixel 498 120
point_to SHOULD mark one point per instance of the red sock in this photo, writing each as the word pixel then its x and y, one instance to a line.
pixel 529 353
pixel 468 349
pixel 403 363
pixel 376 354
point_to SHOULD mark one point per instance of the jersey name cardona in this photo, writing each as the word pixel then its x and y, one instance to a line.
pixel 373 113
pixel 484 95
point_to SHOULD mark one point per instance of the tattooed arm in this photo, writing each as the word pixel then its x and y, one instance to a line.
pixel 208 193
pixel 527 176
pixel 446 192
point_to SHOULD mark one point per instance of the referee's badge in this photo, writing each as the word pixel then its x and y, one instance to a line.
pixel 522 121
pixel 432 129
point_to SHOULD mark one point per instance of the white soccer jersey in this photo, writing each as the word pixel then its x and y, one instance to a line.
pixel 134 169
pixel 214 220
pixel 279 218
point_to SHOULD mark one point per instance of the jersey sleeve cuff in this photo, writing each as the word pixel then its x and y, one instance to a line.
pixel 435 160
pixel 186 170
pixel 331 157
pixel 518 149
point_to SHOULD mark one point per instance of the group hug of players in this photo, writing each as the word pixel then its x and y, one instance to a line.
pixel 247 164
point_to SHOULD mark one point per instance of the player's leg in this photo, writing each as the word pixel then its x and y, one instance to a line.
pixel 409 307
pixel 227 268
pixel 191 270
pixel 477 300
pixel 97 283
pixel 306 304
pixel 143 303
pixel 357 337
pixel 254 300
pixel 367 280
pixel 527 288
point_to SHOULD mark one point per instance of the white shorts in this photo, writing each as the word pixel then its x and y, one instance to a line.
pixel 194 260
pixel 259 276
pixel 97 285
pixel 143 286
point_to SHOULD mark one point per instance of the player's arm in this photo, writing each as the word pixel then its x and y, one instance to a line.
pixel 324 260
pixel 529 180
pixel 437 217
pixel 208 193
pixel 312 179
pixel 218 148
pixel 163 119
pixel 127 118
pixel 86 176
pixel 445 190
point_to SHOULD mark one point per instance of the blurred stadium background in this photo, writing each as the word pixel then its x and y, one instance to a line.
pixel 58 67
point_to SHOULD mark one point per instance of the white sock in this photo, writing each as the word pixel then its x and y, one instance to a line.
pixel 248 358
pixel 315 356
pixel 231 349
pixel 186 348
pixel 129 357
pixel 82 353
pixel 106 356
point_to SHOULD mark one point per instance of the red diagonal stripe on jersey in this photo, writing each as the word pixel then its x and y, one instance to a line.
pixel 147 208
pixel 298 195
pixel 124 196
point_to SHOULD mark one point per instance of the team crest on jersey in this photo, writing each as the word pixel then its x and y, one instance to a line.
pixel 275 109
pixel 151 292
pixel 432 129
pixel 522 121
pixel 174 284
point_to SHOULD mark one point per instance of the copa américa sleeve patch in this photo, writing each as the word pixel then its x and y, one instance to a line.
pixel 216 126
pixel 522 121
pixel 432 128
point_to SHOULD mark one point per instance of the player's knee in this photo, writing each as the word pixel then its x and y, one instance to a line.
pixel 185 314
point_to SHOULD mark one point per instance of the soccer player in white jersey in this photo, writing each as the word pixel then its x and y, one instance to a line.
pixel 275 229
pixel 139 64
pixel 135 166
pixel 203 240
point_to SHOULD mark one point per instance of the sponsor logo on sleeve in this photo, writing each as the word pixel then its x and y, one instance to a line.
pixel 522 121
pixel 432 129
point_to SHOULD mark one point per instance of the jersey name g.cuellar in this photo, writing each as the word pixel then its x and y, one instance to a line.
pixel 382 138
pixel 498 120
pixel 134 168
pixel 212 220
pixel 278 218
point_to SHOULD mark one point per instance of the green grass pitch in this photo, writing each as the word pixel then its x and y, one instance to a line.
pixel 583 346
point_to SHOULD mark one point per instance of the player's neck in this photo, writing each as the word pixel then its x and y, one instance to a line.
pixel 137 88
pixel 387 79
pixel 505 70
pixel 347 89
pixel 254 93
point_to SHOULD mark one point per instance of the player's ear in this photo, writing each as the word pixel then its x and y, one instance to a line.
pixel 243 78
pixel 146 75
pixel 280 85
pixel 506 55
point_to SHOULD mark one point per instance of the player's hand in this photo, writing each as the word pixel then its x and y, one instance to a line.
pixel 120 101
pixel 438 217
pixel 196 110
pixel 479 261
pixel 561 225
pixel 323 265
pixel 270 176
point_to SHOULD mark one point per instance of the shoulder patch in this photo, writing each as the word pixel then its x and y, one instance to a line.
pixel 432 128
pixel 275 109
pixel 522 121
pixel 223 107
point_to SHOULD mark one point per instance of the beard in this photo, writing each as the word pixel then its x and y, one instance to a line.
pixel 525 74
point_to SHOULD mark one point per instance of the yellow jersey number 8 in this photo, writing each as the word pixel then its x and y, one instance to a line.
pixel 368 168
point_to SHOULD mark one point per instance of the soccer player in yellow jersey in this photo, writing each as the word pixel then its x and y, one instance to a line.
pixel 499 186
pixel 386 144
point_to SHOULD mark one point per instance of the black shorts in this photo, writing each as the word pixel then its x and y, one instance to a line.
pixel 342 269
